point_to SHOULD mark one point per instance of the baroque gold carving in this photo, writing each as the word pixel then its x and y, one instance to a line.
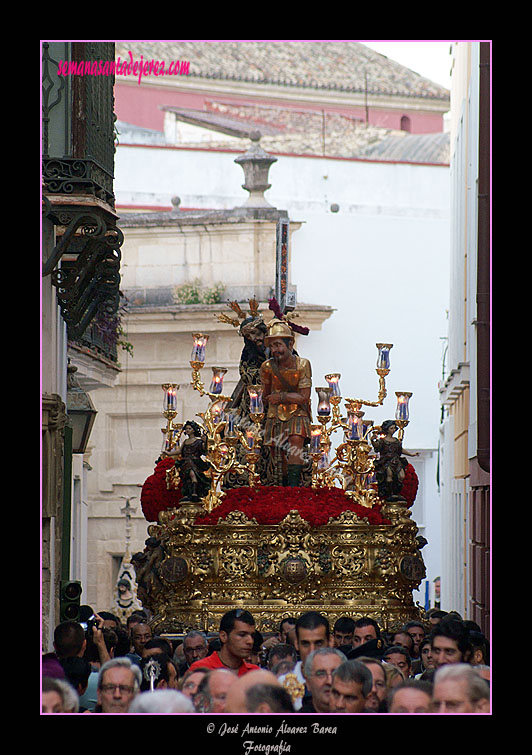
pixel 349 562
pixel 237 562
pixel 346 567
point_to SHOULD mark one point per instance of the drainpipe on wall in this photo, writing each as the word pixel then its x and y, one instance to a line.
pixel 67 506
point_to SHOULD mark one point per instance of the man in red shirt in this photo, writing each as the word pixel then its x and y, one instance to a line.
pixel 237 630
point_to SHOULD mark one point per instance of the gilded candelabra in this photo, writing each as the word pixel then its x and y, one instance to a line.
pixel 353 463
pixel 219 429
pixel 319 451
pixel 172 431
pixel 220 452
pixel 251 439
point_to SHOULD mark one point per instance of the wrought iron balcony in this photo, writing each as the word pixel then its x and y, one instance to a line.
pixel 101 341
pixel 78 122
pixel 73 175
pixel 83 260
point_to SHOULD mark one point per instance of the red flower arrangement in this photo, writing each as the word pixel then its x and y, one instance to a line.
pixel 270 505
pixel 155 496
pixel 410 485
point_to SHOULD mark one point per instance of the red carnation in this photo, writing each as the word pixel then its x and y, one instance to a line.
pixel 270 505
pixel 410 485
pixel 155 496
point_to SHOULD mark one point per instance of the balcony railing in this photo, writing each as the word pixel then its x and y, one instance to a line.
pixel 99 342
pixel 78 113
pixel 77 177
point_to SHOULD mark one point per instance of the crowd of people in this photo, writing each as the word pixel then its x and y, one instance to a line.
pixel 438 665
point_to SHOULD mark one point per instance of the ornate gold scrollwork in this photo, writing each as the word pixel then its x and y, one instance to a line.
pixel 350 561
pixel 346 567
pixel 237 562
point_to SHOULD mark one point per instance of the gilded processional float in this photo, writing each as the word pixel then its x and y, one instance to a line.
pixel 254 506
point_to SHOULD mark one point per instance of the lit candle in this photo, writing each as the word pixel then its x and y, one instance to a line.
pixel 217 412
pixel 334 384
pixel 315 439
pixel 356 431
pixel 401 411
pixel 383 358
pixel 324 406
pixel 255 399
pixel 199 347
pixel 230 427
pixel 170 397
pixel 250 438
pixel 323 463
pixel 217 380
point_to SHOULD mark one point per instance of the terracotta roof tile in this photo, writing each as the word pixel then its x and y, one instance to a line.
pixel 414 148
pixel 302 133
pixel 226 124
pixel 340 66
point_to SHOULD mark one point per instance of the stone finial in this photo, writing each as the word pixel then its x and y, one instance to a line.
pixel 256 165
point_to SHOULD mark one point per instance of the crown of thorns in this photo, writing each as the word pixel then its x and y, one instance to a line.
pixel 241 316
pixel 255 317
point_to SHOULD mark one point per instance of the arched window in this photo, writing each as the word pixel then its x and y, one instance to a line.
pixel 405 123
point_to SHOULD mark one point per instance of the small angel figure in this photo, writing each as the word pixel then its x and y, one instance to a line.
pixel 391 464
pixel 191 467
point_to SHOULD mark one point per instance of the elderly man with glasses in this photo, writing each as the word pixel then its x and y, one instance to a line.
pixel 195 647
pixel 318 670
pixel 119 682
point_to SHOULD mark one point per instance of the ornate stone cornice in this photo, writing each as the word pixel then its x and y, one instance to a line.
pixel 455 384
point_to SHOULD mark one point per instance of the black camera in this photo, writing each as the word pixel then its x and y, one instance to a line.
pixel 92 622
pixel 88 620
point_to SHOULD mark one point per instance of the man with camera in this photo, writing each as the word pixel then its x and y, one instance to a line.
pixel 100 643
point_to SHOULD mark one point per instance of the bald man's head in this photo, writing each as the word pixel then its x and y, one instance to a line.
pixel 235 701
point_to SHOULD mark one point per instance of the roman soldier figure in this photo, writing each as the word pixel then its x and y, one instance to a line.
pixel 286 380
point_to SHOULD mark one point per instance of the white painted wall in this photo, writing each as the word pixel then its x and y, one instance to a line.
pixel 461 366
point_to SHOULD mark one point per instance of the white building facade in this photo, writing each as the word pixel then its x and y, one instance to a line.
pixel 465 389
